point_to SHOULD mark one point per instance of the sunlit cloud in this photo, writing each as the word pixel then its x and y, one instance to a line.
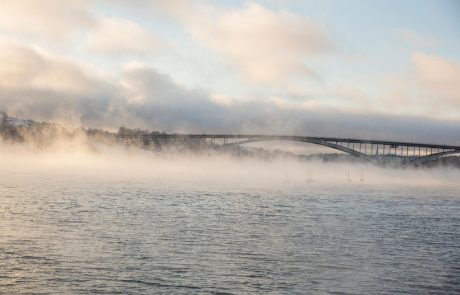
pixel 431 88
pixel 25 67
pixel 52 20
pixel 121 36
pixel 440 75
pixel 265 45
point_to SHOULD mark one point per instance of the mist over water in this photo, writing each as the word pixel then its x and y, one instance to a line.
pixel 78 218
pixel 80 159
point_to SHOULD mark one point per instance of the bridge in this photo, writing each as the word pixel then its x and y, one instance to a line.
pixel 405 153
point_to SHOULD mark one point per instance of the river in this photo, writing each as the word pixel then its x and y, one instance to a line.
pixel 90 235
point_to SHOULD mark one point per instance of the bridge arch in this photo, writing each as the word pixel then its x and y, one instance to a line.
pixel 411 161
pixel 407 153
pixel 429 157
pixel 313 141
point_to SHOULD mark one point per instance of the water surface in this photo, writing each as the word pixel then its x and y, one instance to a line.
pixel 82 235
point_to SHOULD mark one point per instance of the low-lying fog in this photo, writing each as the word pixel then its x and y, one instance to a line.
pixel 114 163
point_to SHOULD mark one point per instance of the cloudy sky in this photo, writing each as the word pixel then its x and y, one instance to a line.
pixel 384 69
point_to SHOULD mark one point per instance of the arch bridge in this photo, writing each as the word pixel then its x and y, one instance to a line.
pixel 405 153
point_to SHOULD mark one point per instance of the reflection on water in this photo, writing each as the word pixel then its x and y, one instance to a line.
pixel 90 236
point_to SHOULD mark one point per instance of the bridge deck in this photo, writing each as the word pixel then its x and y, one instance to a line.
pixel 294 138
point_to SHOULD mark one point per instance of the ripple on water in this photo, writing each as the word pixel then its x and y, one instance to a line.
pixel 137 238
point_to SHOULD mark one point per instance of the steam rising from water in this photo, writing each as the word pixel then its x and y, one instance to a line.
pixel 78 159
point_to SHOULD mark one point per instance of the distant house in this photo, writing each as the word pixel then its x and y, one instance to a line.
pixel 18 122
pixel 5 120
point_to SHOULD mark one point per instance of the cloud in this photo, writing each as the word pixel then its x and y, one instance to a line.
pixel 265 45
pixel 50 19
pixel 121 36
pixel 438 75
pixel 438 83
pixel 154 99
pixel 39 85
pixel 415 39
pixel 431 88
pixel 34 68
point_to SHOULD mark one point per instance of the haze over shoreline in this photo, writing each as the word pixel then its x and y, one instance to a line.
pixel 51 150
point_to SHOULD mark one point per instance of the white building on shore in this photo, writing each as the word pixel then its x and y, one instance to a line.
pixel 5 120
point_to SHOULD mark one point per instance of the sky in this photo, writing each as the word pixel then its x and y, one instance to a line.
pixel 367 69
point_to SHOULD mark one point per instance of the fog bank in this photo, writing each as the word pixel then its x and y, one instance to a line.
pixel 80 161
